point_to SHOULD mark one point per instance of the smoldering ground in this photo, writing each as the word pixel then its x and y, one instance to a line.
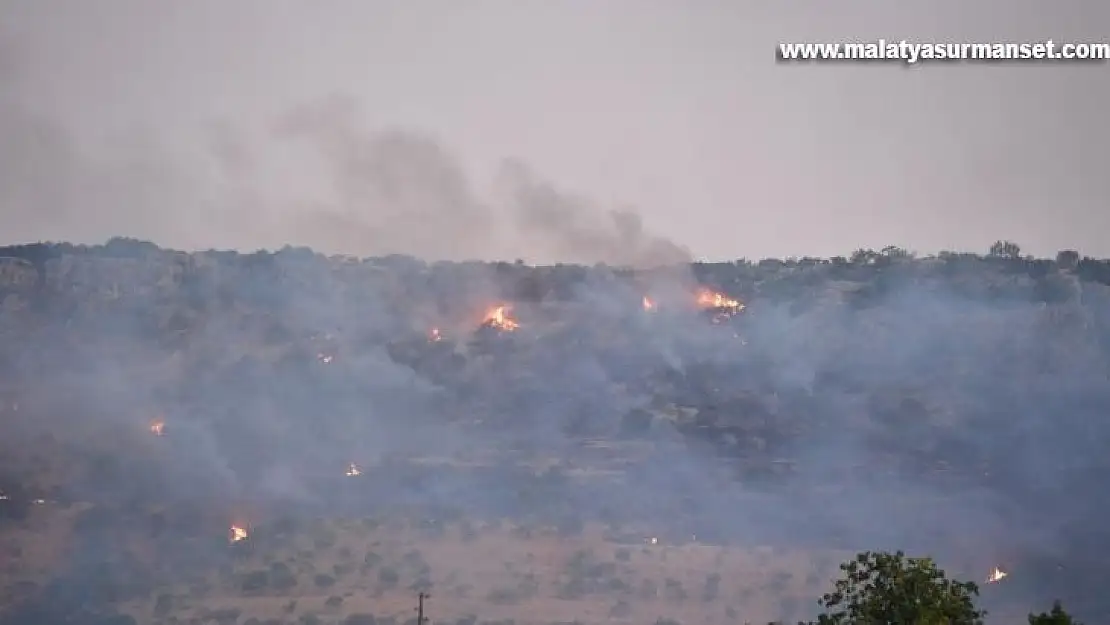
pixel 925 415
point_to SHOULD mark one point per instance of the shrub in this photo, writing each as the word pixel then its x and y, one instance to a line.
pixel 620 610
pixel 712 587
pixel 673 590
pixel 282 577
pixel 324 581
pixel 255 581
pixel 223 616
pixel 503 596
pixel 388 577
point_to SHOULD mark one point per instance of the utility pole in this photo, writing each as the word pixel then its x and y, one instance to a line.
pixel 420 618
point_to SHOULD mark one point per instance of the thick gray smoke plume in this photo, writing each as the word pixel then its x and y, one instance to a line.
pixel 399 192
pixel 342 188
pixel 570 229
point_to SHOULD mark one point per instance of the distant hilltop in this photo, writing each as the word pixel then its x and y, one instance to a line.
pixel 39 253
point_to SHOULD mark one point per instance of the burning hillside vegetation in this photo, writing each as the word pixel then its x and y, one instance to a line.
pixel 211 431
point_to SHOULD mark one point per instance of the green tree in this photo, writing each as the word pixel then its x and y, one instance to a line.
pixel 863 256
pixel 1005 249
pixel 880 588
pixel 893 251
pixel 1056 616
pixel 1067 259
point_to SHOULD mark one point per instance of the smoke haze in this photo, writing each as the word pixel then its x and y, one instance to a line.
pixel 149 119
pixel 953 405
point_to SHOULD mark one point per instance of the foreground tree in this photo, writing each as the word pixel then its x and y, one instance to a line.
pixel 1057 616
pixel 881 588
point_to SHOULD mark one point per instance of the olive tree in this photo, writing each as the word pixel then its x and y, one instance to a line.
pixel 878 588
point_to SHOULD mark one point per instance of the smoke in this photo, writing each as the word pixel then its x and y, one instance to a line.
pixel 569 229
pixel 274 371
pixel 314 176
pixel 865 391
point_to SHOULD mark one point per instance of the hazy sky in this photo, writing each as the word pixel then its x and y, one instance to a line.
pixel 193 123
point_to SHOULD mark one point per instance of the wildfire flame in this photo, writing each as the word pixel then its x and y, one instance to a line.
pixel 158 427
pixel 237 533
pixel 996 575
pixel 723 306
pixel 324 358
pixel 648 303
pixel 434 335
pixel 353 470
pixel 712 299
pixel 500 318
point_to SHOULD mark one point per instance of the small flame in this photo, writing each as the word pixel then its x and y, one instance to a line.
pixel 158 427
pixel 324 358
pixel 353 470
pixel 434 335
pixel 713 299
pixel 237 533
pixel 648 303
pixel 653 540
pixel 723 306
pixel 500 319
pixel 996 575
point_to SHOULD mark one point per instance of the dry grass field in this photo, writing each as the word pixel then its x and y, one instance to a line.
pixel 495 572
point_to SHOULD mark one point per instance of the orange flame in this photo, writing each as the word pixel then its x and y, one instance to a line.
pixel 158 427
pixel 325 358
pixel 648 303
pixel 712 299
pixel 434 335
pixel 353 470
pixel 237 533
pixel 996 575
pixel 723 306
pixel 500 319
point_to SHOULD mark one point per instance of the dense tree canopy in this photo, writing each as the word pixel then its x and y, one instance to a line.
pixel 890 588
pixel 882 588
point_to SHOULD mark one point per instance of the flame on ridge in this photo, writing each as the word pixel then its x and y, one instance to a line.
pixel 722 306
pixel 711 299
pixel 500 318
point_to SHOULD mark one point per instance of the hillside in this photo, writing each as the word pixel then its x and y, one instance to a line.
pixel 216 437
